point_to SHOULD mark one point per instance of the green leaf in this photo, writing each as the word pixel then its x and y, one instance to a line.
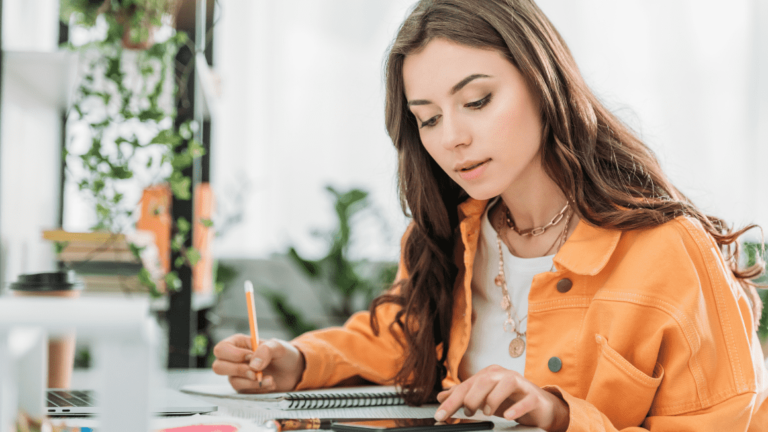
pixel 98 186
pixel 173 282
pixel 224 273
pixel 151 114
pixel 312 268
pixel 113 69
pixel 181 160
pixel 136 250
pixel 185 131
pixel 195 150
pixel 146 279
pixel 102 212
pixel 180 38
pixel 121 172
pixel 179 262
pixel 183 225
pixel 177 242
pixel 206 222
pixel 168 137
pixel 157 50
pixel 193 256
pixel 58 247
pixel 180 186
pixel 199 346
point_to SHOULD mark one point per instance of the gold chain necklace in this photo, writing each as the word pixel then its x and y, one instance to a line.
pixel 517 346
pixel 536 231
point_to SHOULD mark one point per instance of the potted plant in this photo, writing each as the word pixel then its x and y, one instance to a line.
pixel 348 285
pixel 124 112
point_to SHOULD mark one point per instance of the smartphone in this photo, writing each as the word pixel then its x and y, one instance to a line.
pixel 412 425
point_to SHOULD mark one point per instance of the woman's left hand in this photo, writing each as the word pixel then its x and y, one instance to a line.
pixel 505 393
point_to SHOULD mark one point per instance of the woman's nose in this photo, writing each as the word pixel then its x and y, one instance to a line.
pixel 455 133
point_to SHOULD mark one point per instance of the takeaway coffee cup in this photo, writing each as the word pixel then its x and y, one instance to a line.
pixel 61 350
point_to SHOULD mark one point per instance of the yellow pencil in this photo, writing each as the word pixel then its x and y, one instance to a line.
pixel 252 320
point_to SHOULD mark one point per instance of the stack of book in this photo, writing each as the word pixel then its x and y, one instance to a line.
pixel 105 261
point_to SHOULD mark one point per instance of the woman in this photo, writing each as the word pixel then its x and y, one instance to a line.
pixel 552 274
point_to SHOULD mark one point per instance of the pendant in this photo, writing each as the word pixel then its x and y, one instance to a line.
pixel 509 326
pixel 505 304
pixel 499 280
pixel 516 347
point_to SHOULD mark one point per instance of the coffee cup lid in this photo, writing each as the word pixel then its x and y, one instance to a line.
pixel 54 281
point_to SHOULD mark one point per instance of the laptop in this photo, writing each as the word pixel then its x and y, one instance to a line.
pixel 63 402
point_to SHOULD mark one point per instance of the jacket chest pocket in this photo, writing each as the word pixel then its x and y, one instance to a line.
pixel 621 391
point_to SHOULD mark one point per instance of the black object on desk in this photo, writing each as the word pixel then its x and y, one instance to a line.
pixel 412 425
pixel 292 424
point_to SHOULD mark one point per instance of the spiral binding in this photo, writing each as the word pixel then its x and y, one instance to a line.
pixel 340 400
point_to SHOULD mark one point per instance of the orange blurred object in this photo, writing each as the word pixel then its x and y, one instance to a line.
pixel 156 217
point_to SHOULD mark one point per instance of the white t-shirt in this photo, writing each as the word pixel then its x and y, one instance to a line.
pixel 488 342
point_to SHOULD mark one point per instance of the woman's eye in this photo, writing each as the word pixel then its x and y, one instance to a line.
pixel 429 123
pixel 479 103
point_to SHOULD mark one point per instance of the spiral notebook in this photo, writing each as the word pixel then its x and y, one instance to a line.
pixel 344 397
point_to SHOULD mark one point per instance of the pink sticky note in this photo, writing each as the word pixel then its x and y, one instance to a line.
pixel 203 428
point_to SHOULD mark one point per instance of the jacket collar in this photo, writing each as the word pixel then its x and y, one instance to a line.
pixel 586 252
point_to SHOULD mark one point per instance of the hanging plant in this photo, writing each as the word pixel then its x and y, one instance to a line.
pixel 124 112
pixel 136 20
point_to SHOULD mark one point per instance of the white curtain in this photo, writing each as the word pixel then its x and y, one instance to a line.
pixel 302 107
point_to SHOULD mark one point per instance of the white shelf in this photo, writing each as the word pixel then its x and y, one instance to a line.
pixel 48 77
pixel 199 301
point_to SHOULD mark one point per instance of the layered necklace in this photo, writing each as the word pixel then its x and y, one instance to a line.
pixel 512 323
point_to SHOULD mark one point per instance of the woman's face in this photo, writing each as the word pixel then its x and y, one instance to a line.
pixel 476 116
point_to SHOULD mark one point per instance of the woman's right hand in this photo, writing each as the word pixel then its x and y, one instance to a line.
pixel 282 364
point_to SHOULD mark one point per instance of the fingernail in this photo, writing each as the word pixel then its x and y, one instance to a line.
pixel 510 414
pixel 251 375
pixel 487 410
pixel 248 357
pixel 256 363
pixel 440 415
pixel 267 381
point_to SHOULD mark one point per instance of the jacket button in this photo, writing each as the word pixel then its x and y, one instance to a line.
pixel 555 364
pixel 564 285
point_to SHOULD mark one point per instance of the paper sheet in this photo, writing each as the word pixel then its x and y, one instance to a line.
pixel 257 412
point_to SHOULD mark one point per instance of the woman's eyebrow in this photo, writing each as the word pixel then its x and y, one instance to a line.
pixel 460 85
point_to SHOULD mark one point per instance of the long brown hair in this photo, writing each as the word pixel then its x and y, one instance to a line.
pixel 613 178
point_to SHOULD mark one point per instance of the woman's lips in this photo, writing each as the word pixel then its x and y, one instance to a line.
pixel 474 172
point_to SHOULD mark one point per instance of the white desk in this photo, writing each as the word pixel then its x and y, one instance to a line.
pixel 175 379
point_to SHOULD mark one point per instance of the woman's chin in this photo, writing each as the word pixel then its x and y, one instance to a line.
pixel 482 193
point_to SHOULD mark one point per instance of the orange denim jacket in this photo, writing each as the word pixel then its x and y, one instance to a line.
pixel 652 332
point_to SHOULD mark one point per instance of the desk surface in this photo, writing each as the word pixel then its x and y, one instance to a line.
pixel 175 379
